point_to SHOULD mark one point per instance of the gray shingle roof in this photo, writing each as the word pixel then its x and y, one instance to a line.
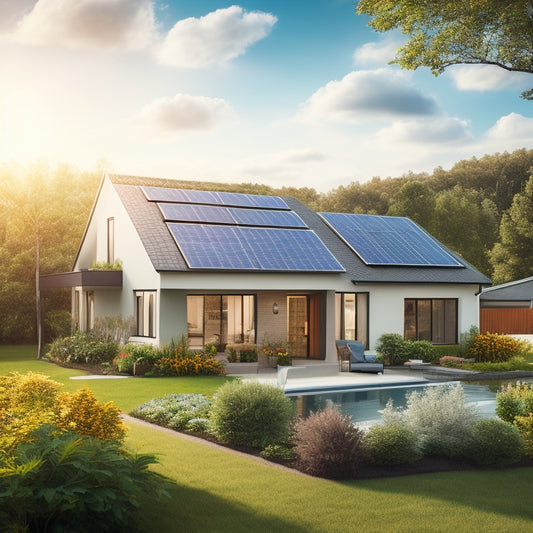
pixel 166 256
pixel 515 291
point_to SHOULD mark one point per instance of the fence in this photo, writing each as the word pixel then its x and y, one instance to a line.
pixel 506 321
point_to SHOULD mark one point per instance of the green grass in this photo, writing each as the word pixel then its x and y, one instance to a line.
pixel 216 491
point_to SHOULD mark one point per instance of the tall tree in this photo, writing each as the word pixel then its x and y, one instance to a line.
pixel 444 33
pixel 415 200
pixel 512 255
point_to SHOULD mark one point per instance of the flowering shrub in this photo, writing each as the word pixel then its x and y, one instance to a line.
pixel 177 411
pixel 451 361
pixel 278 349
pixel 30 401
pixel 195 365
pixel 514 400
pixel 80 412
pixel 494 348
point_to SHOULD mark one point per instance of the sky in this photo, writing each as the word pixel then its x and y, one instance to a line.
pixel 284 93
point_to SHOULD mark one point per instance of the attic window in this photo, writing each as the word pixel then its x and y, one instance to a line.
pixel 111 240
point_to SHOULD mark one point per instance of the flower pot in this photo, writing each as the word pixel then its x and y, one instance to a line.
pixel 273 361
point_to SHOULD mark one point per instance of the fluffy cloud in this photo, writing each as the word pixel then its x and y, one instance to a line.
pixel 438 130
pixel 512 128
pixel 369 94
pixel 215 38
pixel 487 78
pixel 123 24
pixel 183 112
pixel 376 53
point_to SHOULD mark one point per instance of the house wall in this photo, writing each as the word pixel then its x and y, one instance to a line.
pixel 138 271
pixel 386 305
pixel 173 315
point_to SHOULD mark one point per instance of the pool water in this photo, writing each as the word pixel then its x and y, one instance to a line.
pixel 365 405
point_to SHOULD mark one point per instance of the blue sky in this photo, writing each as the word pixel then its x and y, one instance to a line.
pixel 275 92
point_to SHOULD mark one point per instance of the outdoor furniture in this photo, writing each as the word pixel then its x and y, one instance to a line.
pixel 359 362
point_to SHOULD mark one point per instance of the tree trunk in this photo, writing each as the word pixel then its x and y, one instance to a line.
pixel 38 292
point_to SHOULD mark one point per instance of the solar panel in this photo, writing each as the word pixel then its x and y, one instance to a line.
pixel 234 216
pixel 191 196
pixel 206 246
pixel 392 241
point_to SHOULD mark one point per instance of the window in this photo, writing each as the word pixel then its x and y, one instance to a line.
pixel 110 240
pixel 221 319
pixel 89 310
pixel 145 313
pixel 431 319
pixel 351 316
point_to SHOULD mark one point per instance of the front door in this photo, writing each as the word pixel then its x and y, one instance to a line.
pixel 297 327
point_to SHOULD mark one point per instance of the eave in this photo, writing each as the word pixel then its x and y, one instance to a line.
pixel 83 278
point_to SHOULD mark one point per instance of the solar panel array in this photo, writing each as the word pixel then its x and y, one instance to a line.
pixel 234 231
pixel 391 241
pixel 249 248
pixel 230 215
pixel 190 196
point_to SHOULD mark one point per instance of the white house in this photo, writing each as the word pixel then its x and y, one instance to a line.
pixel 228 268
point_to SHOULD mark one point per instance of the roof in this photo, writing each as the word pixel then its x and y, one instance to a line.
pixel 166 255
pixel 518 291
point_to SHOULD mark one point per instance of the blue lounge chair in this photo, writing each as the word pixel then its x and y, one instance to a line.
pixel 359 362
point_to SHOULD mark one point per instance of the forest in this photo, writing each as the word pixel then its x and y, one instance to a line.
pixel 481 208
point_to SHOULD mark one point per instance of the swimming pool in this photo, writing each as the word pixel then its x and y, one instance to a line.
pixel 364 405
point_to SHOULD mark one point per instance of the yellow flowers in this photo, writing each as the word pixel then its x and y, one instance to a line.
pixel 28 401
pixel 494 348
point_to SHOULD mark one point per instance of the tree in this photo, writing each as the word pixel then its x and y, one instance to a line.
pixel 445 33
pixel 415 200
pixel 512 256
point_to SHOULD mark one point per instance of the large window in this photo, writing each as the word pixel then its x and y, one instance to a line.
pixel 145 313
pixel 351 316
pixel 221 319
pixel 89 310
pixel 431 319
pixel 111 240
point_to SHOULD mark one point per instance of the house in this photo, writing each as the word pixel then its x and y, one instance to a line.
pixel 231 268
pixel 507 308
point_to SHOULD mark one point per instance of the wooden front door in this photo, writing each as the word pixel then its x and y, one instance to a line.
pixel 297 327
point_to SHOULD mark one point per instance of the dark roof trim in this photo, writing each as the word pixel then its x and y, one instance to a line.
pixel 83 278
pixel 415 281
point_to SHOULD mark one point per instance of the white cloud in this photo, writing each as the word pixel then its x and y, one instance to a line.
pixel 376 53
pixel 512 128
pixel 438 130
pixel 487 78
pixel 368 94
pixel 214 38
pixel 183 112
pixel 91 24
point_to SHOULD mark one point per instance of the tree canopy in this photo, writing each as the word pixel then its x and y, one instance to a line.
pixel 445 33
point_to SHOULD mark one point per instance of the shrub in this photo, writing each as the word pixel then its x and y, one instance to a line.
pixel 327 444
pixel 114 329
pixel 232 355
pixel 29 401
pixel 515 363
pixel 494 348
pixel 467 339
pixel 442 350
pixel 440 417
pixel 525 426
pixel 82 348
pixel 451 362
pixel 136 359
pixel 279 452
pixel 495 443
pixel 248 356
pixel 176 411
pixel 64 482
pixel 194 365
pixel 251 414
pixel 514 400
pixel 210 349
pixel 420 350
pixel 80 412
pixel 392 348
pixel 391 444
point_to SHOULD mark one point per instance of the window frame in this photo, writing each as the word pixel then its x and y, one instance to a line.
pixel 361 306
pixel 145 313
pixel 111 240
pixel 419 318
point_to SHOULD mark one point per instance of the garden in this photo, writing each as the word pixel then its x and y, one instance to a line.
pixel 242 494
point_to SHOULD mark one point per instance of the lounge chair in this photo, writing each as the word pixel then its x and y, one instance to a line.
pixel 359 362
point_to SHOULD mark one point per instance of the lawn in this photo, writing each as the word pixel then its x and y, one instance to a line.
pixel 214 490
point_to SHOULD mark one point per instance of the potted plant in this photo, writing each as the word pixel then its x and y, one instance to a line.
pixel 277 353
